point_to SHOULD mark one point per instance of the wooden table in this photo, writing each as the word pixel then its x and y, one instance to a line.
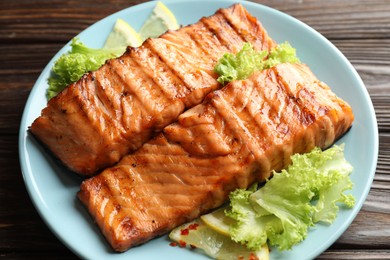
pixel 31 32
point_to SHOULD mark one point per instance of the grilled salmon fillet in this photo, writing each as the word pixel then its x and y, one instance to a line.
pixel 237 136
pixel 111 112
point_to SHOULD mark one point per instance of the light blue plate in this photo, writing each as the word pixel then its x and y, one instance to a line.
pixel 53 189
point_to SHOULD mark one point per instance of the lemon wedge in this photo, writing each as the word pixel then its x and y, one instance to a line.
pixel 197 234
pixel 218 221
pixel 122 35
pixel 159 21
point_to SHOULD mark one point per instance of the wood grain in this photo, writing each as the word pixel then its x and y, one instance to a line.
pixel 32 31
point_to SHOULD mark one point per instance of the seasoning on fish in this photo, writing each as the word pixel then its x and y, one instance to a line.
pixel 237 136
pixel 111 112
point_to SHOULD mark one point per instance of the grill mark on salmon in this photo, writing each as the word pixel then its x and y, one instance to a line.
pixel 316 96
pixel 103 101
pixel 251 30
pixel 123 91
pixel 208 41
pixel 225 34
pixel 194 79
pixel 139 86
pixel 112 111
pixel 280 116
pixel 115 90
pixel 181 173
pixel 143 89
pixel 170 84
pixel 185 43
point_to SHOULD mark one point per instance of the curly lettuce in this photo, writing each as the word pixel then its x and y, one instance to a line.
pixel 72 65
pixel 292 201
pixel 241 65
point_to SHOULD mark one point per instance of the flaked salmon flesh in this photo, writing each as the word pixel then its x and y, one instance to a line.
pixel 237 136
pixel 111 112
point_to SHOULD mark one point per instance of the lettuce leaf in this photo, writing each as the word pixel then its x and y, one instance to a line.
pixel 251 229
pixel 293 200
pixel 72 65
pixel 241 65
pixel 282 53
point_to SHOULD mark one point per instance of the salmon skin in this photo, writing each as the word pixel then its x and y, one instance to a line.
pixel 237 136
pixel 111 112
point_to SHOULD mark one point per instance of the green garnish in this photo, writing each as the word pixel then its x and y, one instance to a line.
pixel 292 201
pixel 241 65
pixel 72 65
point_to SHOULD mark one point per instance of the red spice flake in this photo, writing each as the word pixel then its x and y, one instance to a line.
pixel 252 256
pixel 193 226
pixel 173 244
pixel 184 232
pixel 182 243
pixel 193 247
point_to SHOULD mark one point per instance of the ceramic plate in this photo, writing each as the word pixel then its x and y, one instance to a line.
pixel 53 190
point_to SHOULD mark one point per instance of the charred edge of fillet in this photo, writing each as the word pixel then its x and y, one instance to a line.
pixel 138 238
pixel 51 156
pixel 308 116
pixel 342 135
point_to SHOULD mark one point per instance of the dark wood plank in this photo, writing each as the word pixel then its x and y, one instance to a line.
pixel 22 231
pixel 52 21
pixel 356 254
pixel 381 103
pixel 367 231
pixel 336 19
pixel 20 67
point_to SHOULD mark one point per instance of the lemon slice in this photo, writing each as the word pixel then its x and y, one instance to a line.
pixel 197 234
pixel 159 21
pixel 122 35
pixel 218 221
